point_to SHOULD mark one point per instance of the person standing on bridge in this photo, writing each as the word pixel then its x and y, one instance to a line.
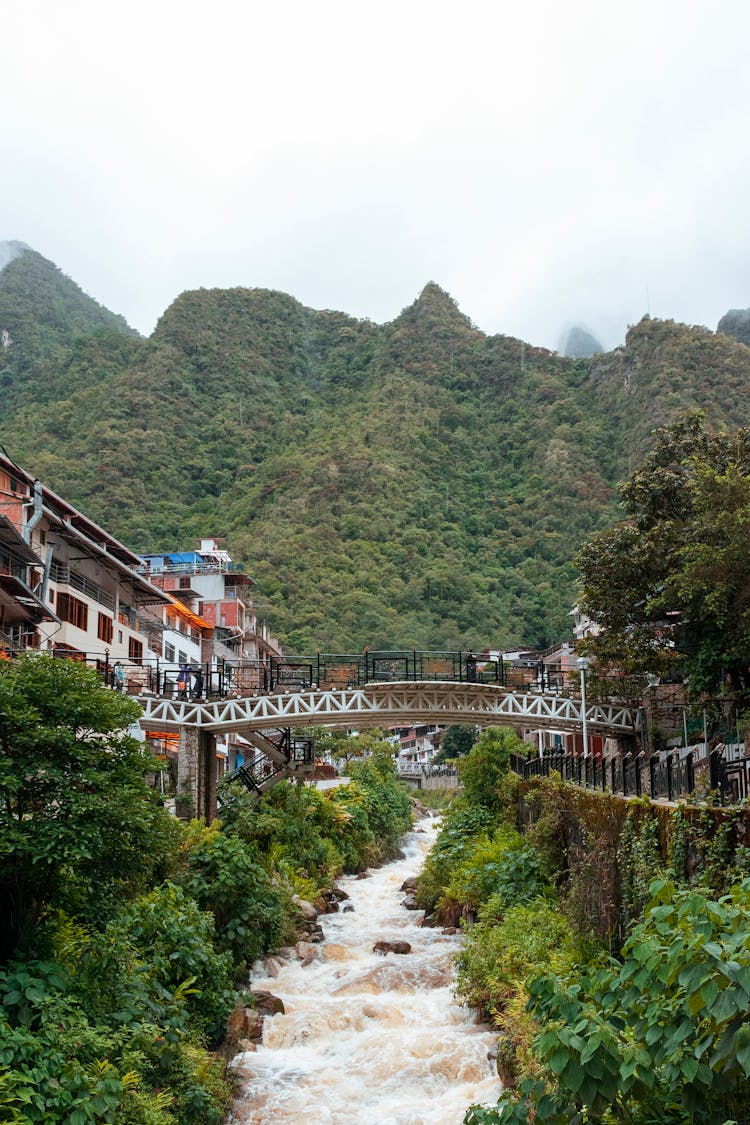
pixel 471 667
pixel 183 681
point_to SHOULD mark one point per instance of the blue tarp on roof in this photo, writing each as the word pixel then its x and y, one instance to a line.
pixel 182 557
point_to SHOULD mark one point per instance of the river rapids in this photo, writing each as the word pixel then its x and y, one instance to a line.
pixel 366 1038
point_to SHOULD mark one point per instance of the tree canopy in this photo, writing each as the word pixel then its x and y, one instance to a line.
pixel 79 826
pixel 670 584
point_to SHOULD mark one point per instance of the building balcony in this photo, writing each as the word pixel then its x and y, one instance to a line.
pixel 64 576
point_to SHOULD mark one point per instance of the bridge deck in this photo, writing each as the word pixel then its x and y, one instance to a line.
pixel 390 704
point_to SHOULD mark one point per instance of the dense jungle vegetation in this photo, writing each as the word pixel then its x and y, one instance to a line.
pixel 669 584
pixel 413 483
pixel 607 943
pixel 125 934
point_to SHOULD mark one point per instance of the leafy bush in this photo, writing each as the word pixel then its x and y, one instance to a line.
pixel 59 1062
pixel 224 877
pixel 53 1062
pixel 497 957
pixel 665 1034
pixel 384 800
pixel 502 866
pixel 174 941
pixel 461 828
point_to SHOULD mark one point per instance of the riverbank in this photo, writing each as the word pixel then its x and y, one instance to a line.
pixel 365 1036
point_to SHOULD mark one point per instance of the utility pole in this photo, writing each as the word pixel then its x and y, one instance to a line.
pixel 582 664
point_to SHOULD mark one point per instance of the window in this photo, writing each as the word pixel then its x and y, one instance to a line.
pixel 105 629
pixel 169 652
pixel 183 658
pixel 73 610
pixel 135 650
pixel 184 583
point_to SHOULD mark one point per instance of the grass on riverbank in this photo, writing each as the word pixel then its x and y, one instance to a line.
pixel 436 800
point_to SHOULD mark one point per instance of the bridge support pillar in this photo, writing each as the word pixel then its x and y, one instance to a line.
pixel 196 774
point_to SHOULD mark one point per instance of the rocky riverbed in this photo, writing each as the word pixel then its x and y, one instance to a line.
pixel 367 1035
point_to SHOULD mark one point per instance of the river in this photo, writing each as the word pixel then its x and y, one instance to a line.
pixel 366 1038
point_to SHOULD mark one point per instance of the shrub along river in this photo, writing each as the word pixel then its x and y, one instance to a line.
pixel 367 1037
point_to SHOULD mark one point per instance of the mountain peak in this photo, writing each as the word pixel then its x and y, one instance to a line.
pixel 435 309
pixel 10 250
pixel 736 323
pixel 579 343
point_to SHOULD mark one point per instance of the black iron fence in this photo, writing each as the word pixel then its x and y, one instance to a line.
pixel 324 671
pixel 729 779
pixel 670 776
pixel 615 775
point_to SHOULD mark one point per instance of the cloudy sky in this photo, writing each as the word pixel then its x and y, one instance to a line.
pixel 546 163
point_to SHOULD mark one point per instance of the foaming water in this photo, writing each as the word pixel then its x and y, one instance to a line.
pixel 366 1038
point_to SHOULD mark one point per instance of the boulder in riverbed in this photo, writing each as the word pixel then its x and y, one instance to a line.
pixel 306 909
pixel 307 952
pixel 391 947
pixel 267 1003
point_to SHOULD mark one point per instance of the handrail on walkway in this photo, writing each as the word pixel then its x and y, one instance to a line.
pixel 325 671
pixel 670 776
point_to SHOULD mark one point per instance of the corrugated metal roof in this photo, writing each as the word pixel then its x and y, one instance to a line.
pixel 16 544
pixel 188 614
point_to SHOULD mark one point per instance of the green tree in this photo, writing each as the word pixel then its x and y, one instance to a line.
pixel 79 827
pixel 344 748
pixel 670 585
pixel 482 770
pixel 457 742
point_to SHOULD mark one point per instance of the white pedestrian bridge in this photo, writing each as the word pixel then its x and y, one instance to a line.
pixel 390 704
pixel 379 704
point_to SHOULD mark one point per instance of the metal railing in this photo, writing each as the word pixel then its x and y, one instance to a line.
pixel 730 780
pixel 590 773
pixel 231 674
pixel 64 576
pixel 670 777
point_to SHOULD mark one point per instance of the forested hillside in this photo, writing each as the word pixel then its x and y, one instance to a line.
pixel 417 482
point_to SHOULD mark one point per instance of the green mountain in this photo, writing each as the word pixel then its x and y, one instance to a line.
pixel 44 316
pixel 412 483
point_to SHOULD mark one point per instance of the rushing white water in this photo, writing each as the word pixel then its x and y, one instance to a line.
pixel 366 1038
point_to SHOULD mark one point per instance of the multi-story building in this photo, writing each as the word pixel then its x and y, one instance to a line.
pixel 417 745
pixel 218 593
pixel 88 597
pixel 70 588
pixel 21 611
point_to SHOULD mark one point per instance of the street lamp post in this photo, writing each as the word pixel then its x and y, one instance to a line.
pixel 582 664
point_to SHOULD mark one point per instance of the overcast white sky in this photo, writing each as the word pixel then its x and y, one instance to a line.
pixel 545 162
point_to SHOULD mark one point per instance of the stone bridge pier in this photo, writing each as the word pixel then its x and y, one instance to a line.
pixel 196 773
